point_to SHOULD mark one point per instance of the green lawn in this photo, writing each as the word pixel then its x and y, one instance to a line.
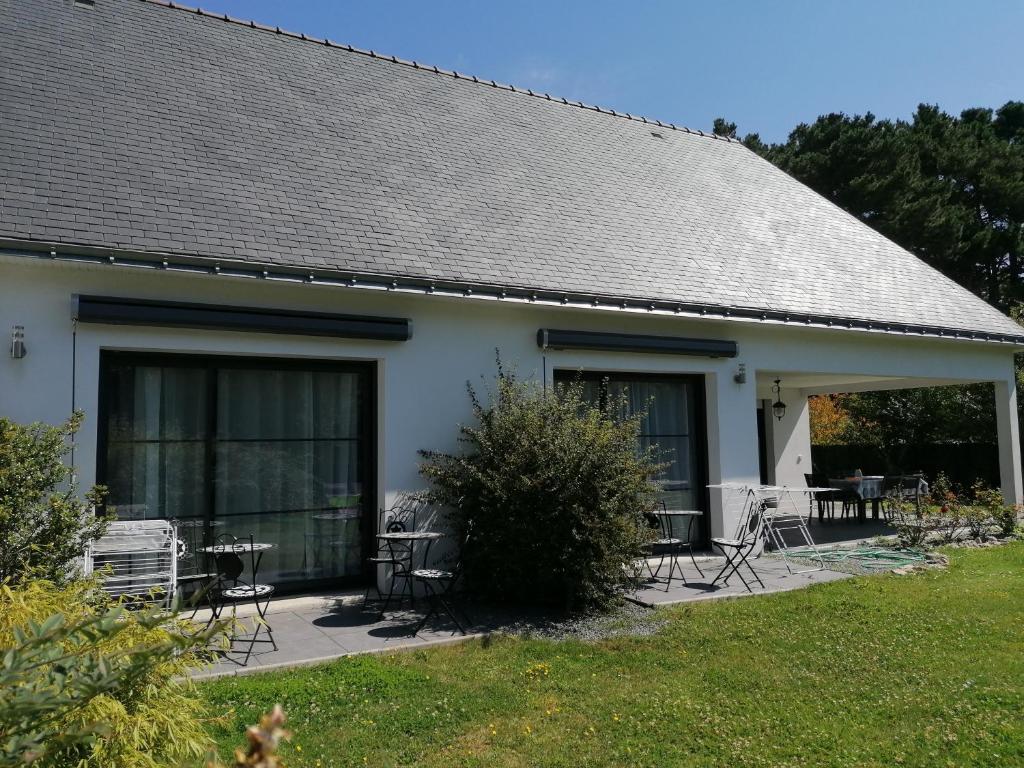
pixel 922 670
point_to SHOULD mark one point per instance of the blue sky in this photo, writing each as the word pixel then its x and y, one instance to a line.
pixel 764 65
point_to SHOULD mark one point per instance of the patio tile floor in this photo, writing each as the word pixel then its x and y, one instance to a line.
pixel 319 628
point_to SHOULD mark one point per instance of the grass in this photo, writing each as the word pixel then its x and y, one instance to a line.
pixel 921 670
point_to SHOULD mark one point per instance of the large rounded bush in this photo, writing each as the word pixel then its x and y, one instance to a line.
pixel 550 492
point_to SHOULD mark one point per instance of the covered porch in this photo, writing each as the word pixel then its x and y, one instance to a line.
pixel 786 440
pixel 751 442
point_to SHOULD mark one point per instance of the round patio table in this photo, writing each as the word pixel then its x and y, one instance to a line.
pixel 668 516
pixel 690 515
pixel 242 548
pixel 406 541
pixel 238 548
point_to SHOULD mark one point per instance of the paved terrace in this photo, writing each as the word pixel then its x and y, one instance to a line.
pixel 323 627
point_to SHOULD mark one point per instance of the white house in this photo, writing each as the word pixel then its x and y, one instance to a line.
pixel 266 265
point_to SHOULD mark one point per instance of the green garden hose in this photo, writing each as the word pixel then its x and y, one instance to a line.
pixel 865 557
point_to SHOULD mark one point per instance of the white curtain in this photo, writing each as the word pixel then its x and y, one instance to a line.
pixel 287 448
pixel 668 407
pixel 156 451
pixel 288 456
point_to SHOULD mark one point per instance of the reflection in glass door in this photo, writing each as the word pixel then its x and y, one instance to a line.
pixel 672 421
pixel 225 445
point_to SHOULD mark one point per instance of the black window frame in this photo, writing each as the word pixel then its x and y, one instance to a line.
pixel 214 362
pixel 699 417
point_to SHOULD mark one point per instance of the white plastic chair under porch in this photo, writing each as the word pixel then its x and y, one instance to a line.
pixel 137 561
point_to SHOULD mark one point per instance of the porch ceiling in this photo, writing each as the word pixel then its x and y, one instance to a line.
pixel 810 383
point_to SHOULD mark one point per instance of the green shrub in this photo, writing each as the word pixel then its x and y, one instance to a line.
pixel 986 497
pixel 553 491
pixel 911 524
pixel 977 520
pixel 1002 515
pixel 85 684
pixel 1006 518
pixel 45 524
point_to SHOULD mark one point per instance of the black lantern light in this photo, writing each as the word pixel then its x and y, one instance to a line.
pixel 778 407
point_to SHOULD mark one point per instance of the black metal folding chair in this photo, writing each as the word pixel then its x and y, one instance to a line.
pixel 825 502
pixel 438 584
pixel 230 590
pixel 399 518
pixel 738 550
pixel 668 546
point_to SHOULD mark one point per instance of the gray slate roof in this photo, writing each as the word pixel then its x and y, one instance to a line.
pixel 135 126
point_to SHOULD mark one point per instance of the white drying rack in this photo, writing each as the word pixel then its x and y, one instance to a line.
pixel 137 560
pixel 778 519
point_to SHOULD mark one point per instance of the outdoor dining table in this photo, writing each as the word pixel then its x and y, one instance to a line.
pixel 867 488
pixel 408 540
pixel 668 518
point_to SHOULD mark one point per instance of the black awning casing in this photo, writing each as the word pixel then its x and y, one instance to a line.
pixel 125 311
pixel 548 338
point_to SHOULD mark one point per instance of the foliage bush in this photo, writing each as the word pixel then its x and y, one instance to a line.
pixel 1006 518
pixel 45 524
pixel 551 491
pixel 86 684
pixel 950 512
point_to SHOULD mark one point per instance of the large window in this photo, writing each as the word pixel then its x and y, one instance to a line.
pixel 229 445
pixel 672 421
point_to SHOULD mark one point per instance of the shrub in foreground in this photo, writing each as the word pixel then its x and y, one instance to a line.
pixel 551 490
pixel 89 685
pixel 45 524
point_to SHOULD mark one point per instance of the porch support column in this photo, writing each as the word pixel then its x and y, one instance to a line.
pixel 732 445
pixel 791 440
pixel 1009 441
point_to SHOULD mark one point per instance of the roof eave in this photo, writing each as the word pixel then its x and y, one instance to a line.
pixel 410 284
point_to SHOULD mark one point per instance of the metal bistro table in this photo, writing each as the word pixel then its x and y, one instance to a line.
pixel 407 540
pixel 670 516
pixel 867 488
pixel 256 550
pixel 241 548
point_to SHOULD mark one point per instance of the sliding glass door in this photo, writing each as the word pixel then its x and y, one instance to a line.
pixel 237 446
pixel 673 421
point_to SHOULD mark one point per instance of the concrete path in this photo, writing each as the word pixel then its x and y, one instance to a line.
pixel 318 628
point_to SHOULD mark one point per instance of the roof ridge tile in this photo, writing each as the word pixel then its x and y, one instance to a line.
pixel 252 24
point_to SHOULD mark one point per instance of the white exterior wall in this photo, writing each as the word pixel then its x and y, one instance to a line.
pixel 421 382
pixel 790 439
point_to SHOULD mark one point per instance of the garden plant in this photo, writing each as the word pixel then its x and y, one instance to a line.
pixel 549 493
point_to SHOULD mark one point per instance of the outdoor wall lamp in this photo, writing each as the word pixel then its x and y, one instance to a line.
pixel 778 407
pixel 18 342
pixel 740 377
